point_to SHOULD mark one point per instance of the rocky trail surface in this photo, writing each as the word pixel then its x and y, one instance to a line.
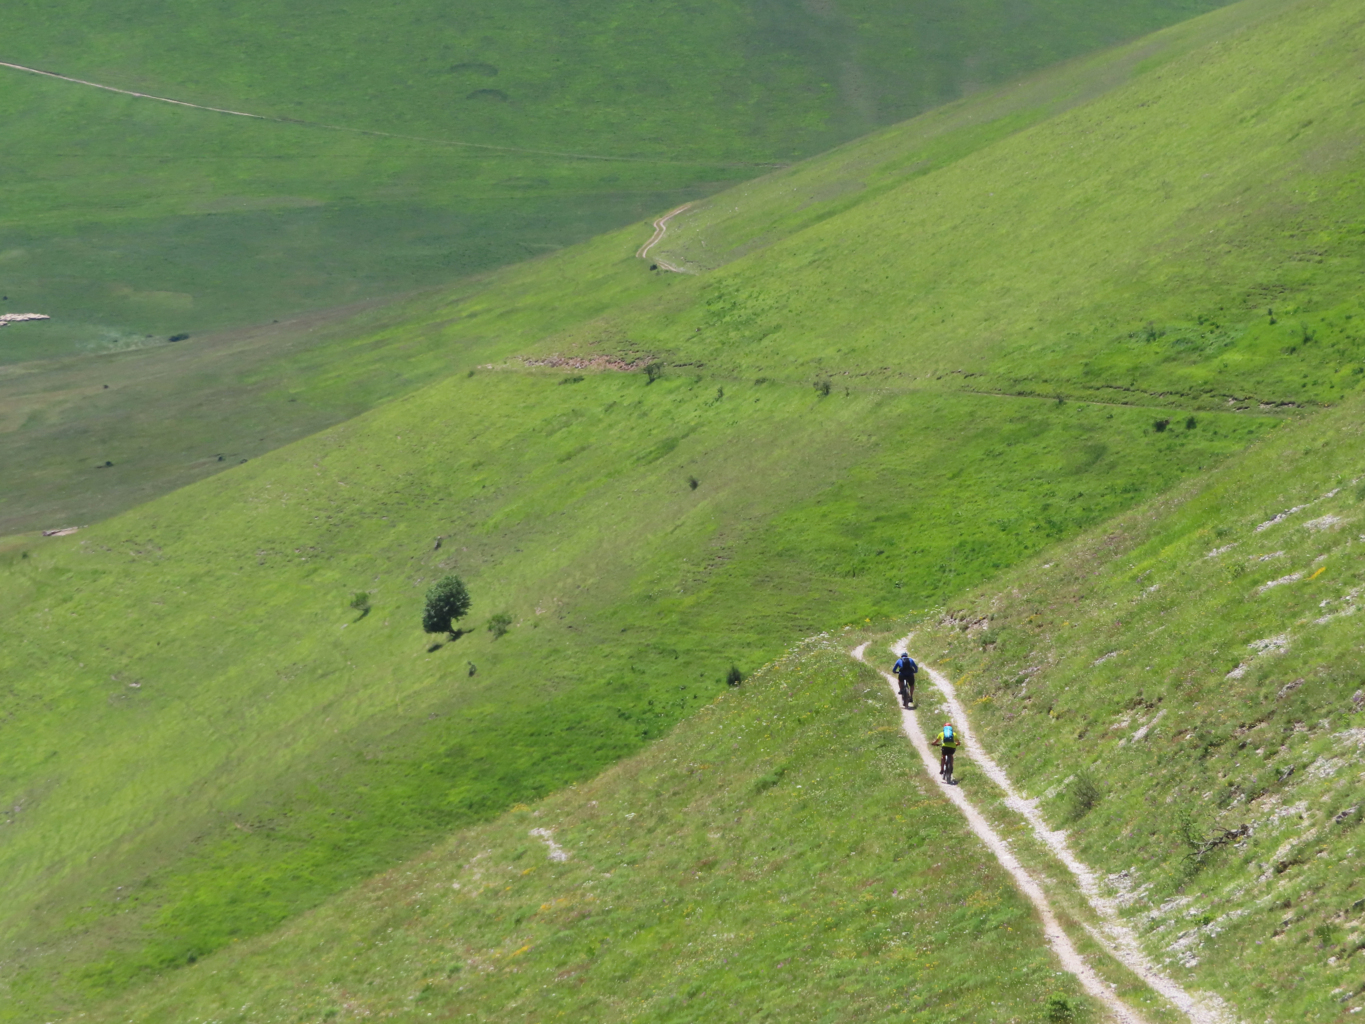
pixel 1118 940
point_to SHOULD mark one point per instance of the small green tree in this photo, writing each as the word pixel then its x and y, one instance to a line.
pixel 734 677
pixel 499 624
pixel 447 601
pixel 360 601
pixel 653 371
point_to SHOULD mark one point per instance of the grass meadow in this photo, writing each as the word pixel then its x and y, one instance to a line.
pixel 780 853
pixel 934 268
pixel 1189 670
pixel 305 747
pixel 869 416
pixel 405 147
pixel 780 850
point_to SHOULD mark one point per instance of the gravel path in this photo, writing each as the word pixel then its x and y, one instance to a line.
pixel 1116 937
pixel 1057 938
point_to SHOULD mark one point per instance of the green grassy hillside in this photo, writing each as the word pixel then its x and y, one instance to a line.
pixel 239 393
pixel 303 747
pixel 203 741
pixel 782 852
pixel 778 855
pixel 406 145
pixel 1193 668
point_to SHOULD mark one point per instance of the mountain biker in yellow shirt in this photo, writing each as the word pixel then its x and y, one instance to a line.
pixel 947 740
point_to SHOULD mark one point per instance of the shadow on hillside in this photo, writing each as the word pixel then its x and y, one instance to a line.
pixel 452 638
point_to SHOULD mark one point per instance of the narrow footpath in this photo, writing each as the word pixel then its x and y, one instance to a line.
pixel 556 154
pixel 1116 937
pixel 660 229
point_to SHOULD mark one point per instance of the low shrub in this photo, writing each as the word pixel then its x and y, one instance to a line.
pixel 1083 795
pixel 1059 1010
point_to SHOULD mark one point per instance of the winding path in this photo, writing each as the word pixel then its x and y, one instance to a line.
pixel 660 228
pixel 1116 937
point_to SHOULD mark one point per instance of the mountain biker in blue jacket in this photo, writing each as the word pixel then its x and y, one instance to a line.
pixel 905 669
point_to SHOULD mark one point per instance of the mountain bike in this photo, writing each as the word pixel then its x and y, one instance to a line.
pixel 945 768
pixel 907 692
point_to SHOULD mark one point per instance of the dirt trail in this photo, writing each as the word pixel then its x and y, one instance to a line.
pixel 1116 937
pixel 129 92
pixel 1057 938
pixel 382 135
pixel 660 228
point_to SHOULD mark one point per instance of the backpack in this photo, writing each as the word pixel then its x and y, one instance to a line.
pixel 948 735
pixel 906 666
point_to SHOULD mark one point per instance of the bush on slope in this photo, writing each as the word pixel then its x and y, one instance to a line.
pixel 781 853
pixel 1196 667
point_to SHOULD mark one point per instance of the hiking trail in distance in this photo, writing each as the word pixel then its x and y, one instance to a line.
pixel 378 134
pixel 660 228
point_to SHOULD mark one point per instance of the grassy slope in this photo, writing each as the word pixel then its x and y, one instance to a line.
pixel 779 854
pixel 240 393
pixel 224 602
pixel 718 857
pixel 243 393
pixel 715 232
pixel 1229 633
pixel 1127 249
pixel 125 218
pixel 247 697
